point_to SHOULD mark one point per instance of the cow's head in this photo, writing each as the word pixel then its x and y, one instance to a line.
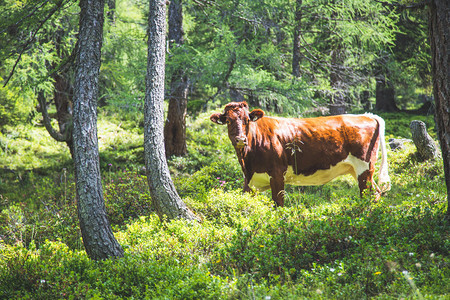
pixel 237 116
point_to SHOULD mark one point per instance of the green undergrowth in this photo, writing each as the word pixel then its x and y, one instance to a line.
pixel 326 243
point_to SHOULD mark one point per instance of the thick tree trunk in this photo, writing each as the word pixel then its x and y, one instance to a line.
pixel 423 141
pixel 296 51
pixel 164 196
pixel 385 95
pixel 96 231
pixel 439 27
pixel 175 127
pixel 63 101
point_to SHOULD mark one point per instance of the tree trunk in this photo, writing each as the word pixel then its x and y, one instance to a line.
pixel 296 51
pixel 63 101
pixel 385 95
pixel 163 193
pixel 337 105
pixel 365 100
pixel 96 231
pixel 62 94
pixel 175 127
pixel 423 141
pixel 439 28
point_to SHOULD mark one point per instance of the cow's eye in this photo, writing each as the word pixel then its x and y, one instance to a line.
pixel 228 121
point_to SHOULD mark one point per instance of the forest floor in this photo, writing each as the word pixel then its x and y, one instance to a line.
pixel 326 243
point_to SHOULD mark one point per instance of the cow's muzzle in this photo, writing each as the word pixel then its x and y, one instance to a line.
pixel 241 141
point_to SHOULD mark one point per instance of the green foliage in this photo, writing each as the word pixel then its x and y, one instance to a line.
pixel 55 271
pixel 30 147
pixel 124 57
pixel 31 50
pixel 126 196
pixel 326 243
pixel 408 66
pixel 397 124
pixel 13 110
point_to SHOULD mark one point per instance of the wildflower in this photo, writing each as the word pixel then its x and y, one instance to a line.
pixel 377 273
pixel 332 269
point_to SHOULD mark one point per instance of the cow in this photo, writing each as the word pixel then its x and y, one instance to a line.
pixel 274 151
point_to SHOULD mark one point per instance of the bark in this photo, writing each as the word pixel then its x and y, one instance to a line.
pixel 439 28
pixel 162 190
pixel 175 127
pixel 423 141
pixel 63 101
pixel 98 238
pixel 296 56
pixel 385 95
pixel 57 135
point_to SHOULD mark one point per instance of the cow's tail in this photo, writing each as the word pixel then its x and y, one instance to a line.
pixel 383 178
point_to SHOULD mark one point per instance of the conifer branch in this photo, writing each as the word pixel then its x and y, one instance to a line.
pixel 31 39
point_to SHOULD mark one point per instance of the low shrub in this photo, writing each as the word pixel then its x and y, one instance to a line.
pixel 126 197
pixel 54 272
pixel 221 174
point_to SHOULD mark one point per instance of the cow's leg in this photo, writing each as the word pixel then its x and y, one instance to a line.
pixel 277 187
pixel 247 188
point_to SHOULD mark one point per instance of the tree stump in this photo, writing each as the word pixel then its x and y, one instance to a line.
pixel 424 143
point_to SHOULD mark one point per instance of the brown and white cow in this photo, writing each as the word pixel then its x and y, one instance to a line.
pixel 274 151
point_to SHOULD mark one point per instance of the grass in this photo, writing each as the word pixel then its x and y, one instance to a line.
pixel 326 243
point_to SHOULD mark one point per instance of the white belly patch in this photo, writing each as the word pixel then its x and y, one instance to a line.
pixel 350 165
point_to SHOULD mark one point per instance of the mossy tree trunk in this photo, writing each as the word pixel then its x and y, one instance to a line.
pixel 162 190
pixel 439 27
pixel 98 238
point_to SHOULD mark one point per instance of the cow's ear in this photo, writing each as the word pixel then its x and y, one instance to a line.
pixel 256 114
pixel 218 118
